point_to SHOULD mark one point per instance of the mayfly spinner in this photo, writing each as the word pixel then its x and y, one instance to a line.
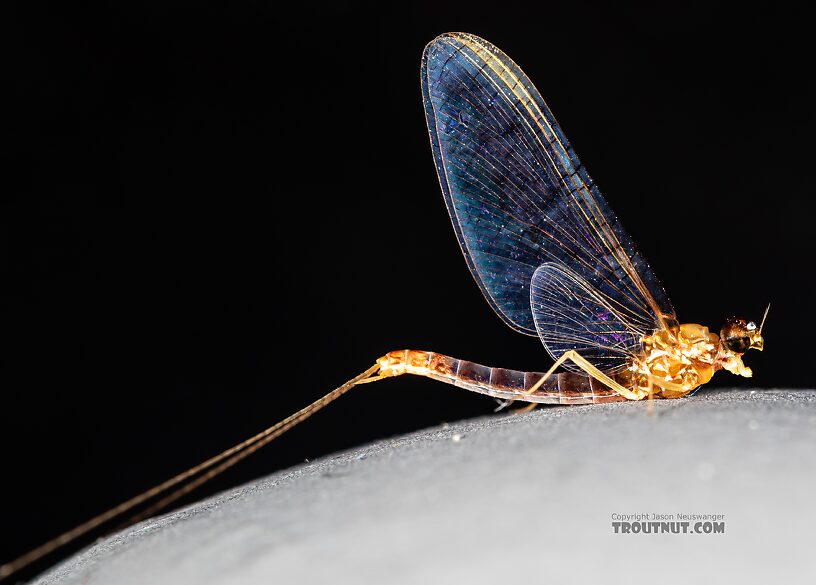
pixel 546 250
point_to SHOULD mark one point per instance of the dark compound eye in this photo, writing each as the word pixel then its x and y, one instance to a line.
pixel 738 344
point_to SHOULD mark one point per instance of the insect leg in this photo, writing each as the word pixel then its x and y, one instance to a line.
pixel 591 370
pixel 525 409
pixel 664 384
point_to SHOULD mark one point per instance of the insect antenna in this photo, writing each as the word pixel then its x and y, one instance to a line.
pixel 765 316
pixel 213 467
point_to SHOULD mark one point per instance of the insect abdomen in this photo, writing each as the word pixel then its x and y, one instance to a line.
pixel 561 388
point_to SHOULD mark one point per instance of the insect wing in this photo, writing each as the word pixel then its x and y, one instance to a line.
pixel 570 313
pixel 516 192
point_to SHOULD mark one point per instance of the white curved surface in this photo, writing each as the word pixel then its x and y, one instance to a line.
pixel 509 499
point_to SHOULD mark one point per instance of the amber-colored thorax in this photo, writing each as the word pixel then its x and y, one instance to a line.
pixel 687 356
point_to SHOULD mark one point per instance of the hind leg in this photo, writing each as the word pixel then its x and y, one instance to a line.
pixel 580 361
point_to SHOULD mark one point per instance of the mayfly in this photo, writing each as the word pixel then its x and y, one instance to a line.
pixel 550 256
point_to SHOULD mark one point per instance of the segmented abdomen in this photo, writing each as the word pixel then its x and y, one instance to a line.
pixel 561 388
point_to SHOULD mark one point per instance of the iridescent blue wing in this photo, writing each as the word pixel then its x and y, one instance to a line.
pixel 515 190
pixel 570 313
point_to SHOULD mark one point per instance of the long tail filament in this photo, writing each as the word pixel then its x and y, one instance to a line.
pixel 213 467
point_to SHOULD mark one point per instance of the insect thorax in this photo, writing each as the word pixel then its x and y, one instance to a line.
pixel 686 356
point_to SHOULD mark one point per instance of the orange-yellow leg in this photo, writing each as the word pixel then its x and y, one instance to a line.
pixel 525 409
pixel 591 371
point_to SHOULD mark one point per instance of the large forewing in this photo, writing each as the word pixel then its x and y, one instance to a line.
pixel 516 192
pixel 570 313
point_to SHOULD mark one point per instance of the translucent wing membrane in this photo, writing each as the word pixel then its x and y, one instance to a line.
pixel 517 193
pixel 570 313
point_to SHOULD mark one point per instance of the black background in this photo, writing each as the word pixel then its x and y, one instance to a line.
pixel 214 216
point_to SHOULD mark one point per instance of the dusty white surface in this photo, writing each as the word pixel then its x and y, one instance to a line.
pixel 519 499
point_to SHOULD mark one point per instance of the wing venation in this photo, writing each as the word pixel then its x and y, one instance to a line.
pixel 516 192
pixel 570 313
